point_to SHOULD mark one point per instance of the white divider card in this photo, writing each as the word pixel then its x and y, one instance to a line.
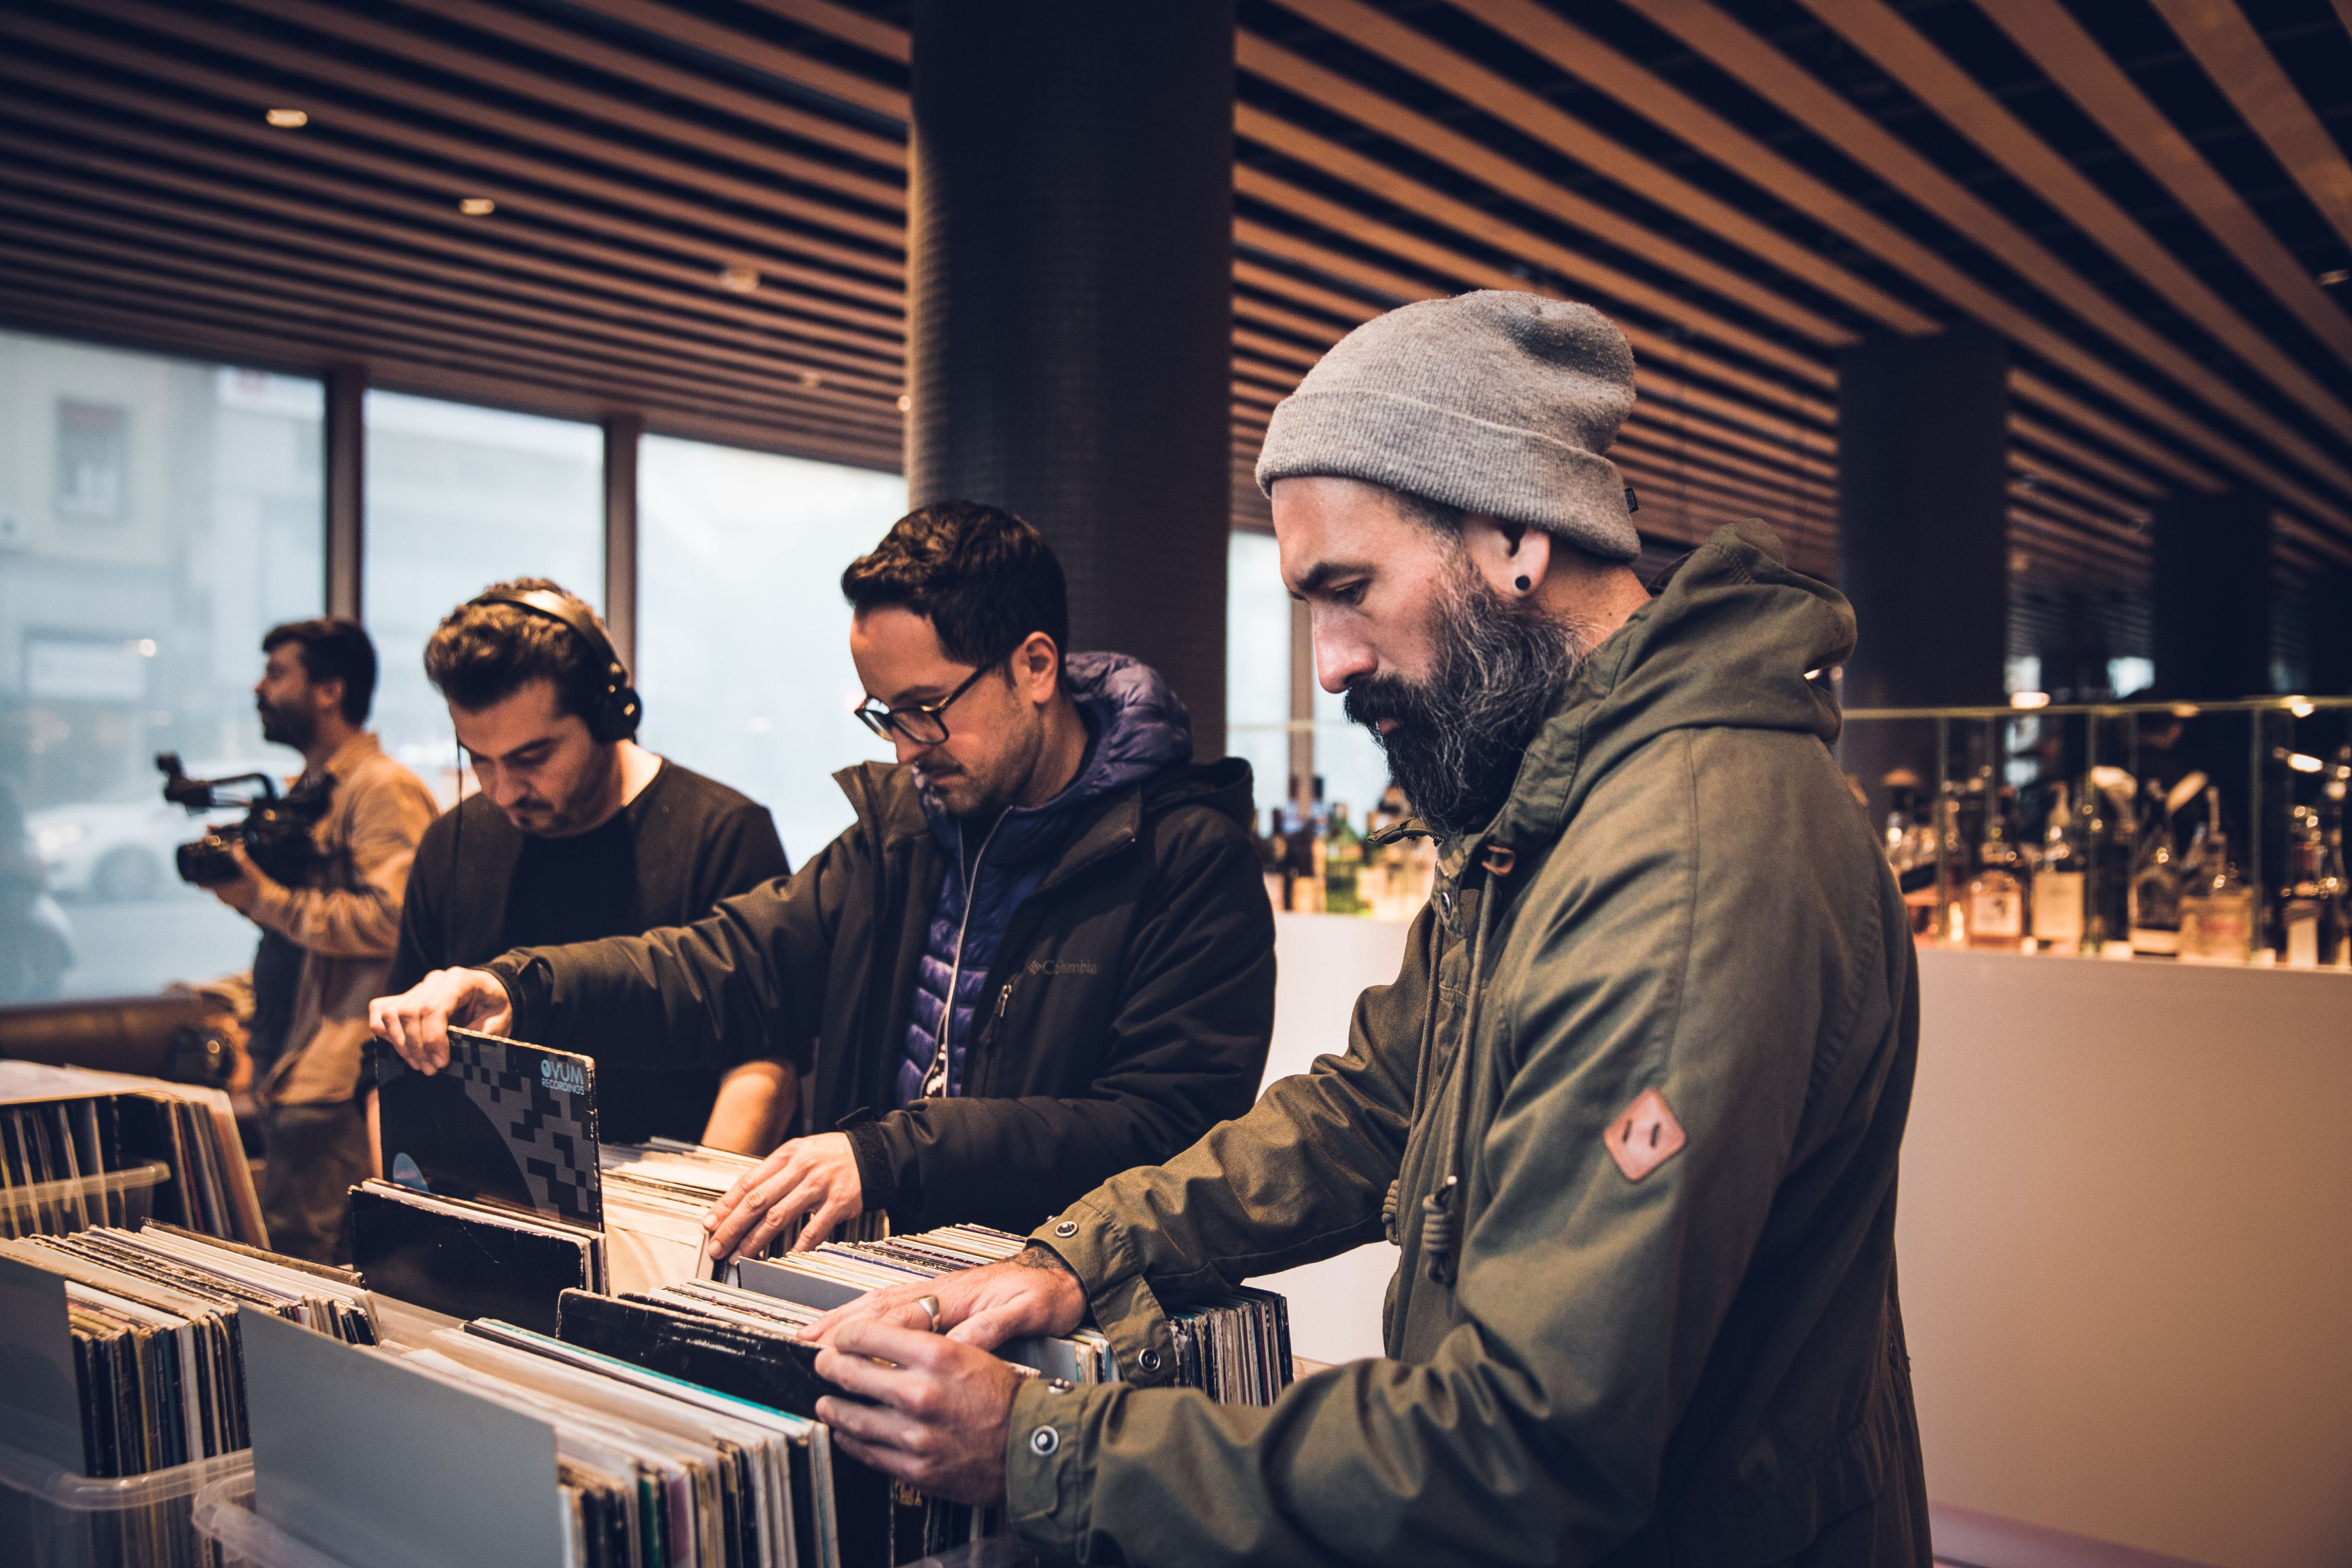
pixel 383 1466
pixel 39 1393
pixel 792 1285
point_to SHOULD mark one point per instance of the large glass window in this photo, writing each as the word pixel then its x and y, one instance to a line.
pixel 742 635
pixel 1257 664
pixel 157 516
pixel 459 497
pixel 1354 770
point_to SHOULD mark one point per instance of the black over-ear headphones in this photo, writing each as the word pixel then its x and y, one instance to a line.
pixel 616 709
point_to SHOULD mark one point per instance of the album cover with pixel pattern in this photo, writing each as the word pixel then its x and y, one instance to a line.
pixel 505 1124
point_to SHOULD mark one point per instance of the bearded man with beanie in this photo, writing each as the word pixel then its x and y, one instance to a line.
pixel 1041 955
pixel 1630 1112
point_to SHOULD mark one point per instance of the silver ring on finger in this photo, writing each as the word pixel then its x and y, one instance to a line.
pixel 930 1305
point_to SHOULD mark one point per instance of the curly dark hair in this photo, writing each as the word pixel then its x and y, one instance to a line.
pixel 983 578
pixel 481 654
pixel 333 648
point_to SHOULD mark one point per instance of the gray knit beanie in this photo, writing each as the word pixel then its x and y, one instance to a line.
pixel 1493 402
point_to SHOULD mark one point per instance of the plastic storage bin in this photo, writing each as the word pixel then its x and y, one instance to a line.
pixel 240 1537
pixel 54 1518
pixel 123 1198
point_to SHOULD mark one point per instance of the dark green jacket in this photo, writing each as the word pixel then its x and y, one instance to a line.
pixel 1701 1365
pixel 1130 1005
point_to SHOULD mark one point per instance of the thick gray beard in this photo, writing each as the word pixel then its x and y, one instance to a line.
pixel 1461 735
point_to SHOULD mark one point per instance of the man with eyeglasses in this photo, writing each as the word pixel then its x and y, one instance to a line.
pixel 1042 955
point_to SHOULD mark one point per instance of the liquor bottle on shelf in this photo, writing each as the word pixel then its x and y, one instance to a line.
pixel 2058 893
pixel 2217 902
pixel 2336 894
pixel 1996 893
pixel 1306 858
pixel 1274 860
pixel 2312 912
pixel 1910 843
pixel 2108 837
pixel 1955 863
pixel 2156 882
pixel 1343 861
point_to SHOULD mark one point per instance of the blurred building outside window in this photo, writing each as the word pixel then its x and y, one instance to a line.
pixel 742 633
pixel 1257 666
pixel 457 497
pixel 157 516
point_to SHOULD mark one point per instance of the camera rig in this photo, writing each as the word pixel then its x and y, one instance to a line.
pixel 276 831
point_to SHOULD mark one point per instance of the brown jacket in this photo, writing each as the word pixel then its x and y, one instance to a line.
pixel 347 923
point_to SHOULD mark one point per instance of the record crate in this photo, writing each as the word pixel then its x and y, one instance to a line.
pixel 123 1198
pixel 51 1517
pixel 239 1537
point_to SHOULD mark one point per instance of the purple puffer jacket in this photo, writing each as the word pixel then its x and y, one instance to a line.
pixel 1135 726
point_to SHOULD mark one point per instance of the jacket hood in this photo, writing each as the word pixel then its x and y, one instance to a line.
pixel 1726 642
pixel 1137 727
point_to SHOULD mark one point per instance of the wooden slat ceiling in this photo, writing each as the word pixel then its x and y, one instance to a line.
pixel 699 214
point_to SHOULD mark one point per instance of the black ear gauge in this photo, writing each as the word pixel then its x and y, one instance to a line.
pixel 1522 584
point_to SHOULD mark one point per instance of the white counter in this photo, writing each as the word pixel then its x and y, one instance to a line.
pixel 2124 1241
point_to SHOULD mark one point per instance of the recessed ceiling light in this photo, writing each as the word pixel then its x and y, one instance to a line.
pixel 904 403
pixel 477 206
pixel 287 118
pixel 742 279
pixel 2340 274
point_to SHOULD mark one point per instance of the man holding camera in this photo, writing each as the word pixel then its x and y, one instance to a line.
pixel 579 832
pixel 337 928
pixel 1042 954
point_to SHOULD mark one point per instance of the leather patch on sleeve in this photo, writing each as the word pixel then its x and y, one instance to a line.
pixel 1644 1136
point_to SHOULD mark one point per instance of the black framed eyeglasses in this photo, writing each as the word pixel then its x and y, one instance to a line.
pixel 923 724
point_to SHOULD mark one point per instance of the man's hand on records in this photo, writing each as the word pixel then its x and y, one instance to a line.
pixel 816 1176
pixel 940 1410
pixel 1035 1293
pixel 416 1023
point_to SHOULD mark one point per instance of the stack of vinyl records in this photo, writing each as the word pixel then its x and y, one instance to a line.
pixel 495 1205
pixel 746 1340
pixel 80 1148
pixel 656 1195
pixel 1235 1347
pixel 452 1461
pixel 651 1471
pixel 502 1197
pixel 147 1323
pixel 729 1341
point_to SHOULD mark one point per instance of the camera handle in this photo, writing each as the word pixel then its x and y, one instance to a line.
pixel 198 795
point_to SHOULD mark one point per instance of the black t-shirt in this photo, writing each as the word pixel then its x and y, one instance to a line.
pixel 479 887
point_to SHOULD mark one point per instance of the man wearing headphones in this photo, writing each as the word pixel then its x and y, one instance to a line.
pixel 578 832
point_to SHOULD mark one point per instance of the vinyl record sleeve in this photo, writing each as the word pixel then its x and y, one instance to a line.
pixel 504 1123
pixel 463 1266
pixel 767 1369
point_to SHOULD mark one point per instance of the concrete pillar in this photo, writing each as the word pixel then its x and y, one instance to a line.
pixel 1923 518
pixel 623 434
pixel 1923 537
pixel 2212 596
pixel 2331 633
pixel 1069 307
pixel 346 489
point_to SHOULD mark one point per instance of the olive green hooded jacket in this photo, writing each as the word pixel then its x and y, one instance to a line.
pixel 1699 1363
